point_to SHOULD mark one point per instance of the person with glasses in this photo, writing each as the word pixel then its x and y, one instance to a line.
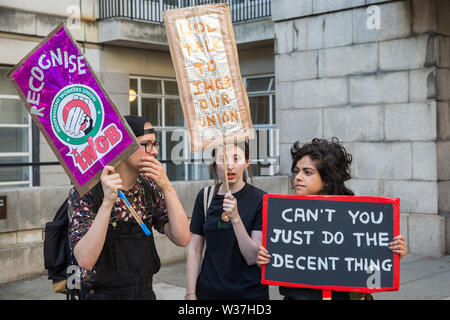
pixel 116 259
pixel 150 145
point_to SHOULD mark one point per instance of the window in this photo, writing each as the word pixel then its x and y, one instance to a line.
pixel 264 148
pixel 158 100
pixel 15 136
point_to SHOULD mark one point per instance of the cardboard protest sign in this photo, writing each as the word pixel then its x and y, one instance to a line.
pixel 213 96
pixel 72 109
pixel 337 243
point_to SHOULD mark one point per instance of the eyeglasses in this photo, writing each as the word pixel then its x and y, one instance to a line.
pixel 149 146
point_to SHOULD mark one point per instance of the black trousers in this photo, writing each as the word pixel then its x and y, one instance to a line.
pixel 125 267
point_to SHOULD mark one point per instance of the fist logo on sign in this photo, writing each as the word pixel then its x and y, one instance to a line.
pixel 77 118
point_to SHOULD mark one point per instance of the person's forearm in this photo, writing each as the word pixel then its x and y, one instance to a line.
pixel 193 263
pixel 88 249
pixel 178 227
pixel 247 246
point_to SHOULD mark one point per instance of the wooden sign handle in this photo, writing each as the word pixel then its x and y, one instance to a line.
pixel 224 215
pixel 225 167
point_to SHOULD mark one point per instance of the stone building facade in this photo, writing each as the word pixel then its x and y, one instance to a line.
pixel 375 74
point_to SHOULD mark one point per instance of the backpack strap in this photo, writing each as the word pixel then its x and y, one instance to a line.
pixel 207 198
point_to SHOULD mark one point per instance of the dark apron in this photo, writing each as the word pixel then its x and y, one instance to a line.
pixel 126 265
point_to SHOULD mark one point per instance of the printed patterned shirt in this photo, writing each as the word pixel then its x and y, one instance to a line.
pixel 81 210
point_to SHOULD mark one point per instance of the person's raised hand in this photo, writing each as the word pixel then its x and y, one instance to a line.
pixel 398 246
pixel 230 207
pixel 150 167
pixel 263 256
pixel 111 183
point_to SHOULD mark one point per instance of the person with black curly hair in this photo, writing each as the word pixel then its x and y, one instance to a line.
pixel 322 167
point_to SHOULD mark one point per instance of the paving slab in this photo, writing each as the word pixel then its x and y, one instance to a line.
pixel 38 288
pixel 421 278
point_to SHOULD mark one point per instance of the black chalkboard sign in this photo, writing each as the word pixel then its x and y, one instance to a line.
pixel 337 243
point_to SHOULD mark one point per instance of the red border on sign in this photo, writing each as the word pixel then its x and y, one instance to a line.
pixel 396 226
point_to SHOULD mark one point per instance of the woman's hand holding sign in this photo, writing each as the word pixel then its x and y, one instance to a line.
pixel 230 207
pixel 263 256
pixel 398 246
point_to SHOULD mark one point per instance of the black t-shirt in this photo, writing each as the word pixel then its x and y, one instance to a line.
pixel 224 273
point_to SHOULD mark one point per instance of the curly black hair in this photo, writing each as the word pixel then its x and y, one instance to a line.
pixel 331 160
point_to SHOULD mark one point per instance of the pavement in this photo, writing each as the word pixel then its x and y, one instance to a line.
pixel 421 278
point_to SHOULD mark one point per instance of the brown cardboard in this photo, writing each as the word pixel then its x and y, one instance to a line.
pixel 205 30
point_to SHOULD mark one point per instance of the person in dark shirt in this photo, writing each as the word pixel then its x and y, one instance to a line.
pixel 116 259
pixel 231 230
pixel 321 168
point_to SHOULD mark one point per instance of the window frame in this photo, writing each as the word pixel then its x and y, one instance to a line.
pixel 273 149
pixel 29 154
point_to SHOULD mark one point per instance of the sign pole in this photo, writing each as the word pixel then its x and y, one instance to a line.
pixel 134 214
pixel 225 167
pixel 224 215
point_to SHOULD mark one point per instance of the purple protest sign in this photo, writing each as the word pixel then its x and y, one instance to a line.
pixel 72 109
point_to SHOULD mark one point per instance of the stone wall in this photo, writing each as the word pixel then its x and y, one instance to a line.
pixel 383 92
